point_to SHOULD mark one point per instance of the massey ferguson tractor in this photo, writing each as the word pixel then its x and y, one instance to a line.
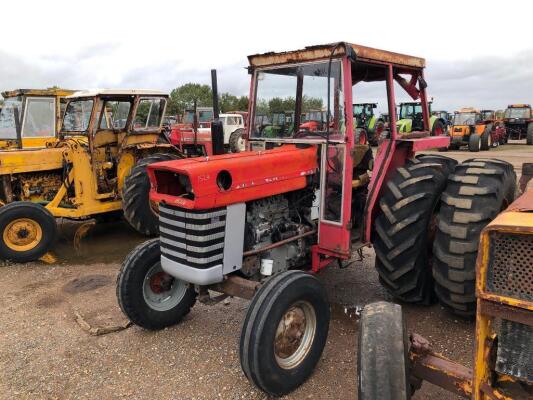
pixel 261 224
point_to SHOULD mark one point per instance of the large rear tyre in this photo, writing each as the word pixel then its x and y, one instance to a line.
pixel 477 191
pixel 147 295
pixel 284 332
pixel 529 137
pixel 236 141
pixel 439 128
pixel 138 211
pixel 28 231
pixel 474 142
pixel 382 356
pixel 404 230
pixel 486 138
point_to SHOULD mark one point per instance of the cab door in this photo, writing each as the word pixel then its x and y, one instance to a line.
pixel 336 171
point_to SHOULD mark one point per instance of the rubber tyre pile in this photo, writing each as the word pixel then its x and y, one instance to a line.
pixel 426 236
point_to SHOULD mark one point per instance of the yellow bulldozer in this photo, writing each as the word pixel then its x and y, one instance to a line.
pixel 31 118
pixel 95 168
pixel 391 365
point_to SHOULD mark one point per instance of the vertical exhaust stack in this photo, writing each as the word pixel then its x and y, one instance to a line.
pixel 217 129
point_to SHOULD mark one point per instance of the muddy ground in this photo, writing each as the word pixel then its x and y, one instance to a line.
pixel 45 353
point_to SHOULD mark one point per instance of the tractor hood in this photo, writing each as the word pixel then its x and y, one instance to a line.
pixel 404 125
pixel 217 181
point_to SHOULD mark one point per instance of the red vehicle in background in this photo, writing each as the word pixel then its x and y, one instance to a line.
pixel 192 136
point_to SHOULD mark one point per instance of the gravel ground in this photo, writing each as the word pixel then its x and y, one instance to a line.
pixel 44 353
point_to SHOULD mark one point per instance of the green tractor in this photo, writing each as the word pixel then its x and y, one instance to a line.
pixel 410 119
pixel 365 118
pixel 282 125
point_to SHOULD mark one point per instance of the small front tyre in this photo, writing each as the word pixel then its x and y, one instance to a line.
pixel 28 231
pixel 284 332
pixel 147 295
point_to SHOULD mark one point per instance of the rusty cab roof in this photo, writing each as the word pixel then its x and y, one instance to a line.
pixel 322 52
pixel 50 92
pixel 519 106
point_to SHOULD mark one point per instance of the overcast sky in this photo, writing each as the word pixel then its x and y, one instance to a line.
pixel 478 53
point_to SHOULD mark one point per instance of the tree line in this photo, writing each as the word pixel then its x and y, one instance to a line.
pixel 183 97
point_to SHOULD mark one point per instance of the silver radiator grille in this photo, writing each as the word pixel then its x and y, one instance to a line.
pixel 192 237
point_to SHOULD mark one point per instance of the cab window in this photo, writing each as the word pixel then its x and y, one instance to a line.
pixel 39 120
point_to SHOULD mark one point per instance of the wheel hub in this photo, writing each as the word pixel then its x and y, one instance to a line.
pixel 294 335
pixel 161 282
pixel 22 234
pixel 162 292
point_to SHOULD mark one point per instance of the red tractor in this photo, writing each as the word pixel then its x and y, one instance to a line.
pixel 262 224
pixel 192 136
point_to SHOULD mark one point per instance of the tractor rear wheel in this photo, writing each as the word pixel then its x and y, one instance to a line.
pixel 477 191
pixel 529 137
pixel 403 231
pixel 486 138
pixel 138 210
pixel 382 356
pixel 474 142
pixel 439 128
pixel 236 141
pixel 284 332
pixel 28 231
pixel 147 295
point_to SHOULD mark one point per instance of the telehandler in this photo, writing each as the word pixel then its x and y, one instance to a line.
pixel 261 224
pixel 96 168
pixel 392 366
pixel 31 118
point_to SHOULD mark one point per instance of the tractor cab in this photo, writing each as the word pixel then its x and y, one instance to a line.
pixel 313 120
pixel 364 114
pixel 115 127
pixel 410 117
pixel 518 120
pixel 488 115
pixel 31 118
pixel 282 124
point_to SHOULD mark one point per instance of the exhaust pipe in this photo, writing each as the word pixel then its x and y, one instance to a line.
pixel 217 129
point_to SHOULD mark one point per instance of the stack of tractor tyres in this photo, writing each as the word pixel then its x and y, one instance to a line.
pixel 135 196
pixel 475 193
pixel 402 234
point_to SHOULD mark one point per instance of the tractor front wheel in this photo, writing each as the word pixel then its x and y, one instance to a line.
pixel 284 332
pixel 382 357
pixel 236 141
pixel 28 231
pixel 138 210
pixel 147 295
pixel 475 193
pixel 404 229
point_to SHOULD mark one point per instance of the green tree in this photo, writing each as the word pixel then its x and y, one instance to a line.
pixel 183 97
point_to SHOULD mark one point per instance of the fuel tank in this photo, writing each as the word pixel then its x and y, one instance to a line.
pixel 217 181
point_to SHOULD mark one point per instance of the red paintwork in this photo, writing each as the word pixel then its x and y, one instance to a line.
pixel 182 135
pixel 255 175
